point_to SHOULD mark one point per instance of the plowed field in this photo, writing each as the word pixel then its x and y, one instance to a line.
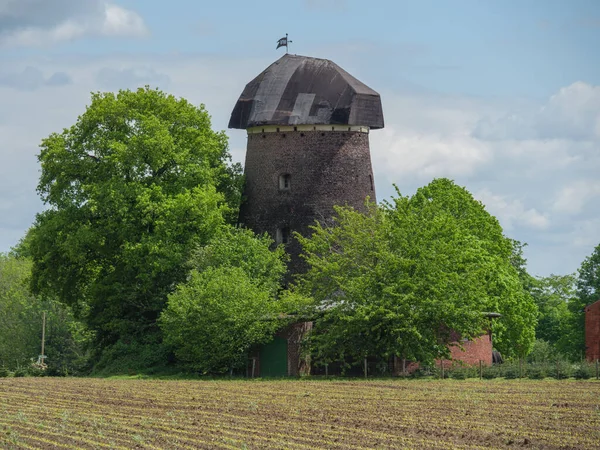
pixel 48 413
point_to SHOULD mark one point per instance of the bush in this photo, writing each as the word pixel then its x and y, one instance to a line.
pixel 461 372
pixel 491 372
pixel 132 357
pixel 584 371
pixel 20 372
pixel 536 373
pixel 511 373
pixel 560 371
pixel 458 374
pixel 4 372
pixel 422 371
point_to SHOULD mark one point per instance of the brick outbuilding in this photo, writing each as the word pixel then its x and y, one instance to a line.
pixel 592 331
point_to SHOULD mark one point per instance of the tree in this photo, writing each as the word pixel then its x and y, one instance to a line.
pixel 21 323
pixel 402 278
pixel 553 296
pixel 131 188
pixel 230 302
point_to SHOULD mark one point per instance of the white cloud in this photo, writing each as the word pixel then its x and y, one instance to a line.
pixel 573 197
pixel 573 113
pixel 423 156
pixel 40 23
pixel 122 22
pixel 512 212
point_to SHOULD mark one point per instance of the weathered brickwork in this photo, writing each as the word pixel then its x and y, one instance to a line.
pixel 325 169
pixel 479 349
pixel 592 331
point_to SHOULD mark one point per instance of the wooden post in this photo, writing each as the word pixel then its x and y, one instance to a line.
pixel 326 370
pixel 597 370
pixel 442 367
pixel 480 369
pixel 43 334
pixel 365 362
pixel 404 366
pixel 253 365
pixel 557 370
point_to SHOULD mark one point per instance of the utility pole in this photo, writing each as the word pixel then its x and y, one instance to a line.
pixel 43 333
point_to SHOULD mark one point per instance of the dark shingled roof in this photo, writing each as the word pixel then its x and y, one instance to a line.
pixel 299 90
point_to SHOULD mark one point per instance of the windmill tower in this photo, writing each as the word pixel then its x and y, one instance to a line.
pixel 308 124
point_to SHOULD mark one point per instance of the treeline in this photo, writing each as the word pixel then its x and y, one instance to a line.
pixel 139 266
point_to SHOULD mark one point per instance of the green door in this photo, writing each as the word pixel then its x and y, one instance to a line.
pixel 273 358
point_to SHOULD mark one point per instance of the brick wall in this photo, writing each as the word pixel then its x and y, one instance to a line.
pixel 326 169
pixel 592 331
pixel 479 349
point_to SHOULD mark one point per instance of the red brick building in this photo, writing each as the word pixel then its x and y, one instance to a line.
pixel 592 331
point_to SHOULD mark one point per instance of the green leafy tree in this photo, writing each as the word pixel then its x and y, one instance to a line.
pixel 553 296
pixel 131 188
pixel 21 324
pixel 402 278
pixel 230 302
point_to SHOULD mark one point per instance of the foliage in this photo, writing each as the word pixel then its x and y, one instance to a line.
pixel 542 351
pixel 229 303
pixel 132 187
pixel 399 279
pixel 584 371
pixel 21 323
pixel 213 319
pixel 553 295
pixel 147 355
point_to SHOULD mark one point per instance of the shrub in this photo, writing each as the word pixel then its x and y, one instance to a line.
pixel 511 372
pixel 20 372
pixel 584 371
pixel 491 372
pixel 560 371
pixel 536 373
pixel 458 374
pixel 4 372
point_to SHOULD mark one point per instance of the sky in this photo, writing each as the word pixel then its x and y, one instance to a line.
pixel 502 96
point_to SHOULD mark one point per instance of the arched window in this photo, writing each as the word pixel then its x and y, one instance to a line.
pixel 284 181
pixel 283 235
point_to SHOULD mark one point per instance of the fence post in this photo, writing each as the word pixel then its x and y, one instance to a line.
pixel 442 366
pixel 365 367
pixel 557 370
pixel 597 370
pixel 326 370
pixel 480 369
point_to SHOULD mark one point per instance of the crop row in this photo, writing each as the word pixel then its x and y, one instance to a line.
pixel 92 413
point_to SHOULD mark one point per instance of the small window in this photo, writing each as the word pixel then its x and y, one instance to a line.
pixel 285 182
pixel 283 235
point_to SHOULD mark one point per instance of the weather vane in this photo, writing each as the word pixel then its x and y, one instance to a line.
pixel 284 42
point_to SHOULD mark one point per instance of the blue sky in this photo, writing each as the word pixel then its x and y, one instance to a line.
pixel 502 96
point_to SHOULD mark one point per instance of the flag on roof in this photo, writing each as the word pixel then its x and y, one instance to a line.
pixel 283 42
